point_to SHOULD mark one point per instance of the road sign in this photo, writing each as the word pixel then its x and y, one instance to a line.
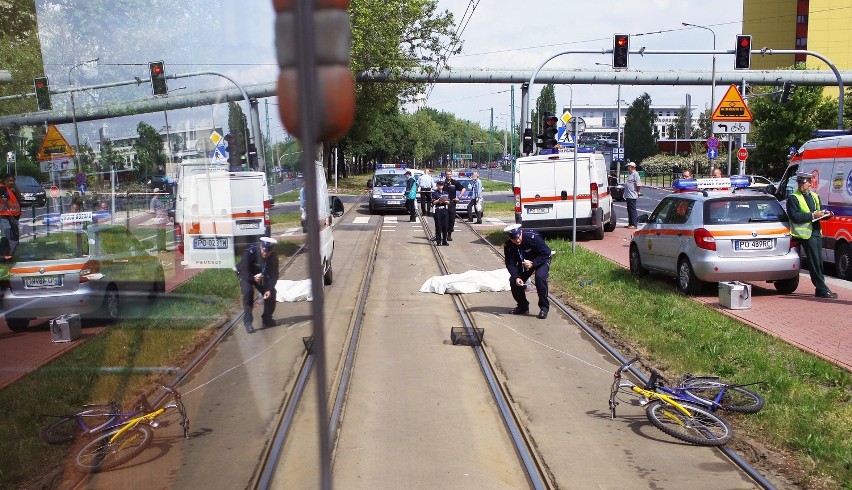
pixel 742 154
pixel 732 107
pixel 58 164
pixel 793 150
pixel 712 142
pixel 54 146
pixel 749 146
pixel 566 116
pixel 462 156
pixel 731 127
pixel 54 192
pixel 712 153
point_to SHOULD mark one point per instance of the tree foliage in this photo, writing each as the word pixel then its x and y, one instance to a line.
pixel 776 127
pixel 150 158
pixel 545 104
pixel 679 128
pixel 639 129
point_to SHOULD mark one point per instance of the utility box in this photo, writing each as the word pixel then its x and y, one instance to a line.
pixel 65 328
pixel 735 295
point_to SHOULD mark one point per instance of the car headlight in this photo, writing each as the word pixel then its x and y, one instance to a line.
pixel 377 196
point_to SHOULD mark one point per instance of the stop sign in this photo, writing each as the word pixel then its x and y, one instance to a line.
pixel 54 192
pixel 742 154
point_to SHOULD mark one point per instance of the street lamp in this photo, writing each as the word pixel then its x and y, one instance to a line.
pixel 713 73
pixel 74 115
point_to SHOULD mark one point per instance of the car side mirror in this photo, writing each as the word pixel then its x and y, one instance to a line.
pixel 369 182
pixel 643 218
pixel 770 189
pixel 336 206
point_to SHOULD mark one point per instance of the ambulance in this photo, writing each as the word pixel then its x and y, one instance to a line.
pixel 543 188
pixel 829 159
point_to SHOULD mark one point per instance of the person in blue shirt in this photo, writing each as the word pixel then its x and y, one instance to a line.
pixel 475 204
pixel 441 211
pixel 526 255
pixel 410 196
pixel 258 269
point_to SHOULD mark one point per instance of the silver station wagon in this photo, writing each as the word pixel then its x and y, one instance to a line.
pixel 88 271
pixel 703 235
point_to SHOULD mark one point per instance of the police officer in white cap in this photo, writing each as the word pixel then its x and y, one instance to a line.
pixel 526 255
pixel 258 269
pixel 805 212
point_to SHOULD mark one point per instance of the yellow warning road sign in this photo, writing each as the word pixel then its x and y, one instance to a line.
pixel 54 146
pixel 732 107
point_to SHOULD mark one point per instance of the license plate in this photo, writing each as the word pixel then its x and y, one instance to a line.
pixel 394 202
pixel 752 244
pixel 43 282
pixel 538 210
pixel 249 225
pixel 210 243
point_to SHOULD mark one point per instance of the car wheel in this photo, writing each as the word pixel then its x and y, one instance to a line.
pixel 636 262
pixel 110 309
pixel 610 225
pixel 17 324
pixel 843 262
pixel 687 283
pixel 328 277
pixel 158 288
pixel 787 286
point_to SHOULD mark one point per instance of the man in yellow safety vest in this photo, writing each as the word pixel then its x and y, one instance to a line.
pixel 805 212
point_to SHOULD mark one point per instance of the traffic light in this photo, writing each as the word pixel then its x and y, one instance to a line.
pixel 42 93
pixel 620 50
pixel 158 78
pixel 548 134
pixel 471 143
pixel 785 92
pixel 743 53
pixel 527 142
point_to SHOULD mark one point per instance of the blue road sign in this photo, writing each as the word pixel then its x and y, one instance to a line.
pixel 792 150
pixel 712 153
pixel 713 142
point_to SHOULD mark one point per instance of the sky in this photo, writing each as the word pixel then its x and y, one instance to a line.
pixel 520 35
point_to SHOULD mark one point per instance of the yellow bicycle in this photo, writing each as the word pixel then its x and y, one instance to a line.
pixel 682 420
pixel 126 441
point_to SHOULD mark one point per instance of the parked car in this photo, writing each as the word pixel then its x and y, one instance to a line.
pixel 712 236
pixel 31 191
pixel 91 270
pixel 759 182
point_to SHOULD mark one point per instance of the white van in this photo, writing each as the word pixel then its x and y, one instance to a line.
pixel 544 188
pixel 218 211
pixel 829 159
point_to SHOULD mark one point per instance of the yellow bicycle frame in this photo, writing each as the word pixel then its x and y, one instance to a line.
pixel 148 417
pixel 653 395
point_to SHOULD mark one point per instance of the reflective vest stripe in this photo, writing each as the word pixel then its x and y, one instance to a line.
pixel 804 230
pixel 12 207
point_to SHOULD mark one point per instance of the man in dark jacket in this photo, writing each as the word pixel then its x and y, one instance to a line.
pixel 526 255
pixel 258 269
pixel 454 191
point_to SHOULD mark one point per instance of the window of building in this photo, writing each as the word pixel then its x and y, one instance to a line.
pixel 801 19
pixel 801 42
pixel 609 119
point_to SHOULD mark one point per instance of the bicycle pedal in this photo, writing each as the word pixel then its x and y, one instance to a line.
pixel 155 424
pixel 643 402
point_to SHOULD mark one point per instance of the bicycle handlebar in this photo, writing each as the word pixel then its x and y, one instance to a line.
pixel 625 367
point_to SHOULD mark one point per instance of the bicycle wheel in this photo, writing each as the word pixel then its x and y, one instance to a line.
pixel 703 428
pixel 101 454
pixel 734 398
pixel 69 427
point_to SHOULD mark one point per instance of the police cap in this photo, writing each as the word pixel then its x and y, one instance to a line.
pixel 513 230
pixel 803 177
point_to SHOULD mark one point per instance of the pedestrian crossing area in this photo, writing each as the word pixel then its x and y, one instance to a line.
pixel 392 223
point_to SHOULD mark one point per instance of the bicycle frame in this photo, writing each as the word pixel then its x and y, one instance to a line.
pixel 147 418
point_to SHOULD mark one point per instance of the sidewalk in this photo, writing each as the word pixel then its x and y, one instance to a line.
pixel 812 324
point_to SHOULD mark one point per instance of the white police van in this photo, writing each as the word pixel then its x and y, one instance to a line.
pixel 544 190
pixel 387 188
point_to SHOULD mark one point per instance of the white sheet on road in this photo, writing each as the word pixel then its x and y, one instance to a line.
pixel 291 291
pixel 472 281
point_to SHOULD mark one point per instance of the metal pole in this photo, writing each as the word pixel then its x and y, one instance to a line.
pixel 490 136
pixel 713 70
pixel 74 115
pixel 574 201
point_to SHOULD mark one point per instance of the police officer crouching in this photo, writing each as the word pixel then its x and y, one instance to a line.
pixel 258 269
pixel 526 255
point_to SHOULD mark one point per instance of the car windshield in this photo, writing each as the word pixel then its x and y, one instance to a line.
pixel 389 180
pixel 743 211
pixel 26 181
pixel 56 246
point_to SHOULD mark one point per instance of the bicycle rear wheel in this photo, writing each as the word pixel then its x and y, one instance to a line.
pixel 735 398
pixel 69 427
pixel 702 428
pixel 101 454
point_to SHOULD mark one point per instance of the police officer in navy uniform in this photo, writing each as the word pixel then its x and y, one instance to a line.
pixel 440 201
pixel 258 269
pixel 526 255
pixel 454 190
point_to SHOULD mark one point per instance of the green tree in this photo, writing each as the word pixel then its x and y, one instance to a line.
pixel 150 158
pixel 678 127
pixel 545 104
pixel 109 156
pixel 705 125
pixel 776 126
pixel 237 127
pixel 639 129
pixel 20 53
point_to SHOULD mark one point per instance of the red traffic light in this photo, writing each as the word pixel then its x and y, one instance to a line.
pixel 156 69
pixel 745 41
pixel 621 40
pixel 550 120
pixel 39 84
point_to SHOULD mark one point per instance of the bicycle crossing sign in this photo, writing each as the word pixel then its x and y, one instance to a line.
pixel 728 127
pixel 732 108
